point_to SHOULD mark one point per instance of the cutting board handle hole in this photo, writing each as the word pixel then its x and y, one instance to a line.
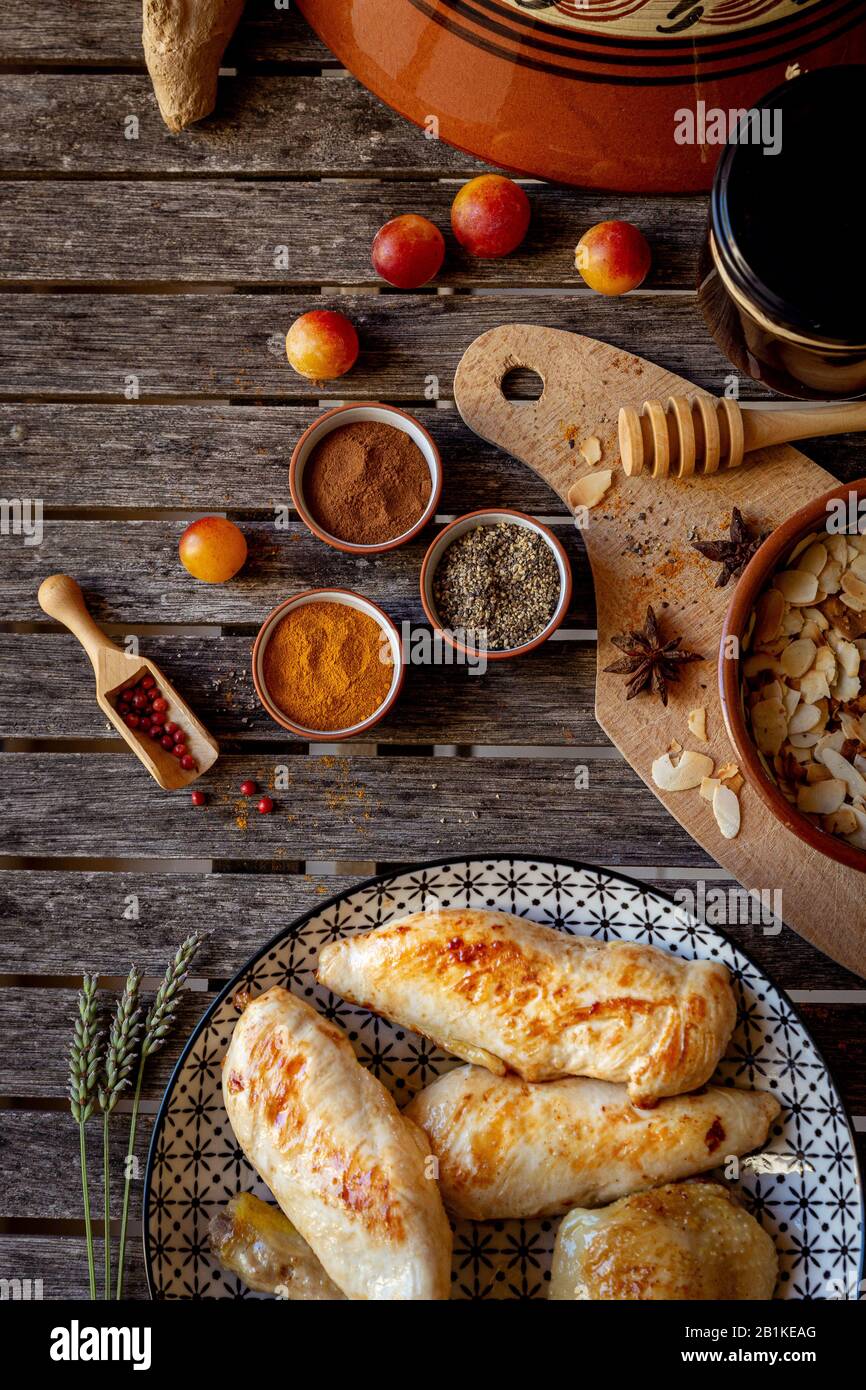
pixel 522 384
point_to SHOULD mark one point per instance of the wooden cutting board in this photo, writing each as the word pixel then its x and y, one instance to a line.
pixel 638 545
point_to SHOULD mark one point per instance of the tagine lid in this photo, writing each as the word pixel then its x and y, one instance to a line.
pixel 582 91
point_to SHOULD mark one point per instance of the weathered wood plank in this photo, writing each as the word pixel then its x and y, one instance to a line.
pixel 219 457
pixel 46 691
pixel 188 456
pixel 316 233
pixel 60 1262
pixel 36 1029
pixel 233 345
pixel 107 33
pixel 298 125
pixel 131 574
pixel 392 809
pixel 41 1165
pixel 40 1027
pixel 53 920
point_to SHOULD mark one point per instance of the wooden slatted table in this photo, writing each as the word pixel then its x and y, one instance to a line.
pixel 144 382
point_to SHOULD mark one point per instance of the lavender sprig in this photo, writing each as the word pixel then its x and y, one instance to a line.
pixel 83 1088
pixel 119 1061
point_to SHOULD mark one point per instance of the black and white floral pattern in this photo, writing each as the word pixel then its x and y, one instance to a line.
pixel 804 1188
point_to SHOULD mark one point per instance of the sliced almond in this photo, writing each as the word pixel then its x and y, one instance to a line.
pixel 726 771
pixel 689 772
pixel 770 725
pixel 830 578
pixel 736 783
pixel 814 687
pixel 797 586
pixel 821 798
pixel 591 449
pixel 838 548
pixel 846 688
pixel 814 558
pixel 698 723
pixel 817 616
pixel 761 661
pixel 708 786
pixel 793 621
pixel 798 657
pixel 769 612
pixel 858 566
pixel 804 740
pixel 588 491
pixel 841 822
pixel 854 586
pixel 790 699
pixel 845 772
pixel 803 545
pixel 726 809
pixel 804 718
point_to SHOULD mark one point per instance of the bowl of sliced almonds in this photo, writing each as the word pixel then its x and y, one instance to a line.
pixel 792 672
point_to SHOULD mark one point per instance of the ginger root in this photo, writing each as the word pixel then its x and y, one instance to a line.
pixel 184 41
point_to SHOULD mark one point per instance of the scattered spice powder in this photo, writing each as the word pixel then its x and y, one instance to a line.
pixel 500 579
pixel 328 666
pixel 367 483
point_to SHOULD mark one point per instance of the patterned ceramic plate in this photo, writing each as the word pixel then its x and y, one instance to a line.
pixel 804 1188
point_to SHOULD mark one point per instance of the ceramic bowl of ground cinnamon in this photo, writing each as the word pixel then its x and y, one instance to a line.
pixel 365 478
pixel 327 664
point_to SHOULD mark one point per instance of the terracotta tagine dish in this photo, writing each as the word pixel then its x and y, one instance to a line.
pixel 583 91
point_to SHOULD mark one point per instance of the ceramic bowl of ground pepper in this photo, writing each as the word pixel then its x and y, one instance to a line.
pixel 497 582
pixel 365 478
pixel 327 664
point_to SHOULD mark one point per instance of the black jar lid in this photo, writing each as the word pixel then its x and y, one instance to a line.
pixel 790 228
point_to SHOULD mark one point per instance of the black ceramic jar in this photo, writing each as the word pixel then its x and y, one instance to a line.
pixel 783 273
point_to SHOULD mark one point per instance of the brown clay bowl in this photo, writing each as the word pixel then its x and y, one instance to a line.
pixel 754 579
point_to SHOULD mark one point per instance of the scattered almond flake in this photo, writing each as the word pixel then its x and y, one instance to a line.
pixel 797 586
pixel 726 809
pixel 588 491
pixel 591 449
pixel 726 771
pixel 698 723
pixel 736 784
pixel 821 798
pixel 708 786
pixel 689 772
pixel 675 747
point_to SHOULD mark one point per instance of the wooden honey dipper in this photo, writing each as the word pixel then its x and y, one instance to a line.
pixel 689 435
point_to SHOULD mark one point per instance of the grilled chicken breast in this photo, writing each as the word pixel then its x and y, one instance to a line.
pixel 688 1240
pixel 512 995
pixel 349 1171
pixel 508 1148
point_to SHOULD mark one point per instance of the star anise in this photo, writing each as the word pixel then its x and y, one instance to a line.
pixel 650 661
pixel 732 555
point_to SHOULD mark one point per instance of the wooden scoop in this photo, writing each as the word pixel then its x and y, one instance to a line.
pixel 61 598
pixel 699 434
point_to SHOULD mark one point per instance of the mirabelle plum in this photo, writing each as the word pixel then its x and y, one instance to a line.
pixel 408 251
pixel 212 549
pixel 613 257
pixel 322 345
pixel 490 216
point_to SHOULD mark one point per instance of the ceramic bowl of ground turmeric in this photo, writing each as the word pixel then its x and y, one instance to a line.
pixel 327 664
pixel 365 478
